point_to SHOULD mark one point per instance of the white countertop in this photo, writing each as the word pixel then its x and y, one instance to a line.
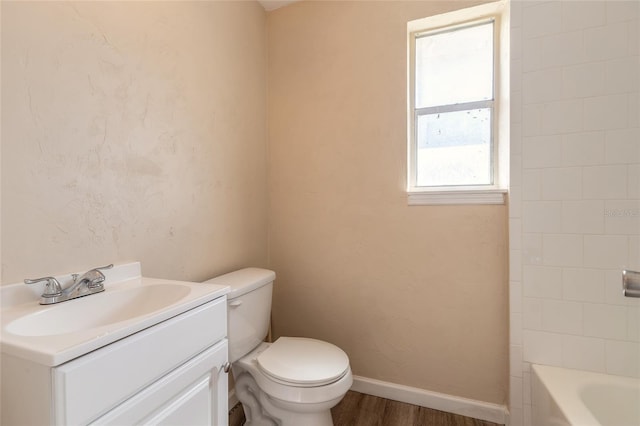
pixel 53 349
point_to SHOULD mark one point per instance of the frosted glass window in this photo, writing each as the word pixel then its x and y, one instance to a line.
pixel 453 107
pixel 454 66
pixel 454 148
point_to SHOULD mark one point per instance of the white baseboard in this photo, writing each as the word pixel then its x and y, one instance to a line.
pixel 438 401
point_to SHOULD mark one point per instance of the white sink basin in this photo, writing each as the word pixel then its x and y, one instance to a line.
pixel 54 334
pixel 97 310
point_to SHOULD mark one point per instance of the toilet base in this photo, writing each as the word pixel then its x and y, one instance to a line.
pixel 270 403
pixel 298 414
pixel 261 409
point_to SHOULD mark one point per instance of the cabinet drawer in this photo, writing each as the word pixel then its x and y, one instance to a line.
pixel 189 395
pixel 97 382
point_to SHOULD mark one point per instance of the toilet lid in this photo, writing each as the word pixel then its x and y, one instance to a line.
pixel 302 361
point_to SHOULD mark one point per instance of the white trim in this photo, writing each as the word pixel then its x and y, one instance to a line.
pixel 462 106
pixel 498 12
pixel 477 196
pixel 486 411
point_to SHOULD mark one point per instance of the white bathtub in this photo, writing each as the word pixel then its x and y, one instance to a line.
pixel 563 397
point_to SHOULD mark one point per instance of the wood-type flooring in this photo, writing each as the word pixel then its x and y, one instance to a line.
pixel 358 409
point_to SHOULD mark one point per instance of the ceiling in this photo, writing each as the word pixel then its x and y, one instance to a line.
pixel 274 4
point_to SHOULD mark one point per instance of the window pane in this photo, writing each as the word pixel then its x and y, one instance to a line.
pixel 454 148
pixel 454 66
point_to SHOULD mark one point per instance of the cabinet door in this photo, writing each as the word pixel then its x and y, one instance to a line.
pixel 196 406
pixel 193 394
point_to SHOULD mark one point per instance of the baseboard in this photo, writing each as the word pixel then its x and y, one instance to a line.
pixel 438 401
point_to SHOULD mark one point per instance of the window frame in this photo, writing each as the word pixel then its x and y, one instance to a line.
pixel 453 21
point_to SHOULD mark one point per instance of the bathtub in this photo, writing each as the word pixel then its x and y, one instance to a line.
pixel 580 398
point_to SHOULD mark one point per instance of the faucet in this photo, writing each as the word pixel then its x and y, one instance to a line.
pixel 88 283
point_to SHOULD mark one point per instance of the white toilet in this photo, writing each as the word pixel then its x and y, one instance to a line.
pixel 291 382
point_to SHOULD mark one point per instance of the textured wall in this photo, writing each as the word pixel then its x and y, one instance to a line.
pixel 415 295
pixel 133 131
pixel 575 209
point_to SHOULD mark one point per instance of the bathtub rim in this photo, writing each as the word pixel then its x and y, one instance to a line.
pixel 564 385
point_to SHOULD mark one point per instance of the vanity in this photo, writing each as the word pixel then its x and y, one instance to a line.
pixel 143 351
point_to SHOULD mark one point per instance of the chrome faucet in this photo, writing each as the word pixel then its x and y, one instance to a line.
pixel 88 283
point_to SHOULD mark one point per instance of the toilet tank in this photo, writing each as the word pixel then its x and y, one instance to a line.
pixel 248 308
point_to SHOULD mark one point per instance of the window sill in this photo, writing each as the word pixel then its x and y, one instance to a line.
pixel 477 196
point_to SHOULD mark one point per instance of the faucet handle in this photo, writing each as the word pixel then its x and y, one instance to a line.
pixel 99 279
pixel 52 288
pixel 109 266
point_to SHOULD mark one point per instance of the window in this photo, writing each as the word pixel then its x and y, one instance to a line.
pixel 455 121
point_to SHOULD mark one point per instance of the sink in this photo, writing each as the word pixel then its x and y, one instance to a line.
pixel 97 310
pixel 51 335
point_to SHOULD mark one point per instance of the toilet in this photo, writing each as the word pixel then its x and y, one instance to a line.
pixel 293 381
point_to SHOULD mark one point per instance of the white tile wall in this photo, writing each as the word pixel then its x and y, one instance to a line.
pixel 515 264
pixel 583 217
pixel 541 216
pixel 633 324
pixel 532 184
pixel 633 173
pixel 622 146
pixel 562 49
pixel 562 249
pixel 542 347
pixel 564 183
pixel 634 255
pixel 542 282
pixel 575 201
pixel 561 117
pixel 606 112
pixel 618 11
pixel 622 217
pixel 583 149
pixel 622 358
pixel 541 151
pixel 515 296
pixel 515 390
pixel 622 75
pixel 634 108
pixel 543 19
pixel 606 251
pixel 606 42
pixel 606 321
pixel 541 86
pixel 583 285
pixel 605 182
pixel 561 316
pixel 532 313
pixel 579 15
pixel 532 249
pixel 583 353
pixel 583 80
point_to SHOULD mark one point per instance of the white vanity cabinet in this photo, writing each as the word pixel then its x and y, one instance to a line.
pixel 171 373
pixel 193 394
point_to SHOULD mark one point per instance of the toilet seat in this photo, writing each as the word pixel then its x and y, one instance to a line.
pixel 303 362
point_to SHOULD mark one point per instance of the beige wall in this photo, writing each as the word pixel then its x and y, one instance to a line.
pixel 133 131
pixel 415 295
pixel 136 131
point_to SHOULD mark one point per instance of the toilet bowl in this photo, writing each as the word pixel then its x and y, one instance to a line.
pixel 292 397
pixel 293 381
